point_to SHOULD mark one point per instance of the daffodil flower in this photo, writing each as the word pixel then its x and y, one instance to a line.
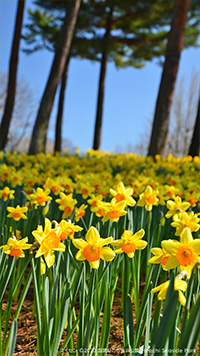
pixel 114 210
pixel 40 197
pixel 148 198
pixel 6 193
pixel 184 253
pixel 123 194
pixel 15 247
pixel 176 207
pixel 68 229
pixel 129 243
pixel 160 256
pixel 93 248
pixel 179 285
pixel 184 220
pixel 17 213
pixel 80 212
pixel 49 241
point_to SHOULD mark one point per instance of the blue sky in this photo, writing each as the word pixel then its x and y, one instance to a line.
pixel 130 94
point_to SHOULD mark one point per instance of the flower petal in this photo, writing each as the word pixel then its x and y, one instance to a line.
pixel 79 256
pixel 140 244
pixel 180 285
pixel 49 258
pixel 107 254
pixel 196 246
pixel 186 237
pixel 170 246
pixel 171 263
pixel 181 298
pixel 92 236
pixel 139 234
pixel 95 264
pixel 79 243
pixel 106 241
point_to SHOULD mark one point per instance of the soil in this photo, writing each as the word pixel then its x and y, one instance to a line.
pixel 26 344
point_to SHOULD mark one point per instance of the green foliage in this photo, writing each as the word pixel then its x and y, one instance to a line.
pixel 138 34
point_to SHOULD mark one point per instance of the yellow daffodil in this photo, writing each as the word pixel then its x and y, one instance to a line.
pixel 40 197
pixel 67 204
pixel 93 201
pixel 93 248
pixel 184 220
pixel 160 256
pixel 15 247
pixel 179 285
pixel 170 191
pixel 148 198
pixel 49 241
pixel 54 184
pixel 176 207
pixel 130 242
pixel 68 185
pixel 114 211
pixel 42 267
pixel 184 253
pixel 17 213
pixel 68 229
pixel 84 189
pixel 102 208
pixel 80 212
pixel 16 178
pixel 6 193
pixel 123 194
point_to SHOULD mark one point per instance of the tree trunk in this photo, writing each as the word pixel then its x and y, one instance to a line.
pixel 38 140
pixel 168 79
pixel 194 149
pixel 99 113
pixel 11 89
pixel 59 119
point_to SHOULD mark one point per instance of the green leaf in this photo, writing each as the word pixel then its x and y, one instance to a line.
pixel 13 337
pixel 62 319
pixel 191 332
pixel 168 319
pixel 129 322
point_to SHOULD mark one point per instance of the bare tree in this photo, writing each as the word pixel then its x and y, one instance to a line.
pixel 182 117
pixel 7 115
pixel 163 105
pixel 38 140
pixel 182 120
pixel 194 149
pixel 23 111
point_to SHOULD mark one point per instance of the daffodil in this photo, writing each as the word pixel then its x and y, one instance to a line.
pixel 123 194
pixel 7 193
pixel 17 213
pixel 183 220
pixel 130 242
pixel 93 201
pixel 84 189
pixel 93 248
pixel 179 285
pixel 40 197
pixel 184 253
pixel 68 229
pixel 49 241
pixel 176 207
pixel 15 247
pixel 160 256
pixel 67 204
pixel 148 198
pixel 80 212
pixel 114 210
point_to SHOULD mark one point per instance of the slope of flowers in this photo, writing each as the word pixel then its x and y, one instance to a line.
pixel 110 219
